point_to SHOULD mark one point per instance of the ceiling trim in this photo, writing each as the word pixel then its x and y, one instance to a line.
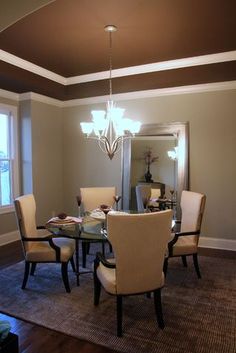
pixel 28 66
pixel 128 71
pixel 206 87
pixel 40 98
pixel 159 92
pixel 154 67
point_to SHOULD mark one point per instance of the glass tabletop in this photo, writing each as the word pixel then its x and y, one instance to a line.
pixel 89 229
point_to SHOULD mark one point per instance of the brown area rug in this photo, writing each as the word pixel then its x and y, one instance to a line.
pixel 200 315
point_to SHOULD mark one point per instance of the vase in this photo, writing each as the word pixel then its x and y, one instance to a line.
pixel 148 176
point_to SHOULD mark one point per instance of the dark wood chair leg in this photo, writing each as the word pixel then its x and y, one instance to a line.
pixel 110 247
pixel 195 261
pixel 158 308
pixel 33 267
pixel 64 273
pixel 72 264
pixel 184 260
pixel 97 288
pixel 165 266
pixel 84 253
pixel 87 248
pixel 103 248
pixel 119 315
pixel 26 274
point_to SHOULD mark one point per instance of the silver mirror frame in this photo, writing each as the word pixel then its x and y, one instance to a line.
pixel 178 129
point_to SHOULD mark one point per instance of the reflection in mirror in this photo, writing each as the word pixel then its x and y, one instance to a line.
pixel 150 163
pixel 158 155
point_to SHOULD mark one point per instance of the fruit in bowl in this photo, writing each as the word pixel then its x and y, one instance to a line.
pixel 62 215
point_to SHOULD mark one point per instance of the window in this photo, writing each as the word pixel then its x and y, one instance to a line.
pixel 9 175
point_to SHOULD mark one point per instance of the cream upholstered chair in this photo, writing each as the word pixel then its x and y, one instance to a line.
pixel 185 242
pixel 143 195
pixel 92 198
pixel 139 271
pixel 39 244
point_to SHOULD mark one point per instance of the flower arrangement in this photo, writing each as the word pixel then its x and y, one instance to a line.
pixel 149 159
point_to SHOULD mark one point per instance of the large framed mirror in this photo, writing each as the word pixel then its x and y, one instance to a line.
pixel 168 169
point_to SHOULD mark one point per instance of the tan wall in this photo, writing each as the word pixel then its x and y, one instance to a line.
pixel 63 160
pixel 212 119
pixel 47 159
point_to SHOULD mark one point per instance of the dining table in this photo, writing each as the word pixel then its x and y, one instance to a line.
pixel 89 228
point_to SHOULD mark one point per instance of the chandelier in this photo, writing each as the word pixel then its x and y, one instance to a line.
pixel 109 127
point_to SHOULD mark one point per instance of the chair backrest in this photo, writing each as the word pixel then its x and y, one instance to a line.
pixel 192 207
pixel 139 242
pixel 25 209
pixel 155 193
pixel 143 192
pixel 93 197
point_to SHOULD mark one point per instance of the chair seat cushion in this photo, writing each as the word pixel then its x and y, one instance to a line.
pixel 107 277
pixel 185 245
pixel 42 251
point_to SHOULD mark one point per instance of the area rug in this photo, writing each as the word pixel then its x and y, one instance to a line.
pixel 200 315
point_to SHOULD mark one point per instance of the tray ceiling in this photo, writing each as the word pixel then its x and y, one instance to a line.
pixel 67 38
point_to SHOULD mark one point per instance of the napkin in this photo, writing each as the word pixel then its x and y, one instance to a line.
pixel 68 220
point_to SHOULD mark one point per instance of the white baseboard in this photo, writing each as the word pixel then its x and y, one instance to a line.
pixel 9 237
pixel 217 243
pixel 204 242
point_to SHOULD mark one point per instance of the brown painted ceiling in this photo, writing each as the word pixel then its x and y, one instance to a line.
pixel 67 37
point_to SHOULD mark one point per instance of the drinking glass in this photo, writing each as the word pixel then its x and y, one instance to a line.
pixel 79 200
pixel 117 199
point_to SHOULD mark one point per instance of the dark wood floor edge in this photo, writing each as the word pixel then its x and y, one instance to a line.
pixel 51 329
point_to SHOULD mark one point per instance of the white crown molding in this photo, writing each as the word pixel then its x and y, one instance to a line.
pixel 40 98
pixel 128 71
pixel 217 243
pixel 26 65
pixel 154 67
pixel 206 87
pixel 201 88
pixel 9 95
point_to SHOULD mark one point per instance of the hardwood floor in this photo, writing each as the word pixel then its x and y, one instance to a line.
pixel 37 339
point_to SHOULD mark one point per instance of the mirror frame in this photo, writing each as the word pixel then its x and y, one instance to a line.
pixel 178 129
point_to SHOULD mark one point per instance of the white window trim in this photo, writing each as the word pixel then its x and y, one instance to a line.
pixel 12 111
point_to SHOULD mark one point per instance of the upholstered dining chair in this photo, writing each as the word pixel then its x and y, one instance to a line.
pixel 139 271
pixel 91 199
pixel 38 244
pixel 144 194
pixel 185 242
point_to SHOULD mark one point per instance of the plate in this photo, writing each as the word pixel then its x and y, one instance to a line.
pixel 63 222
pixel 98 215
